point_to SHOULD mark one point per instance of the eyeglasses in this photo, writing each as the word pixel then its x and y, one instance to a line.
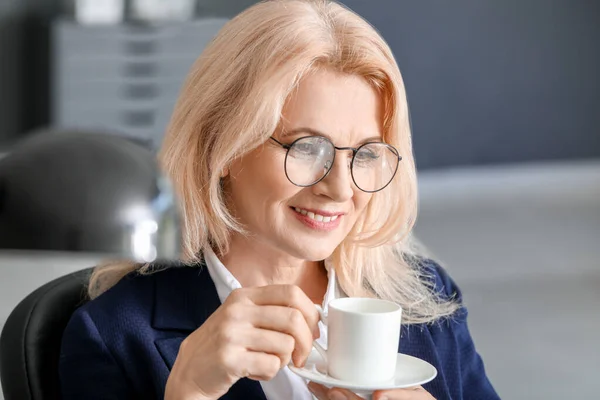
pixel 310 158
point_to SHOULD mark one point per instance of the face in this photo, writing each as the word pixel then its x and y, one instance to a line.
pixel 308 222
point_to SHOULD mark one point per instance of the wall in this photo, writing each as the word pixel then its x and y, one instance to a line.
pixel 496 81
pixel 488 82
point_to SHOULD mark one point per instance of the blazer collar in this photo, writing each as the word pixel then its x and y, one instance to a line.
pixel 184 297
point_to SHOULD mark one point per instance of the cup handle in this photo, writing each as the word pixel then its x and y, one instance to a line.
pixel 317 346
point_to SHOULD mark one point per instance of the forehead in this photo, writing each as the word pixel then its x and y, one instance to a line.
pixel 345 107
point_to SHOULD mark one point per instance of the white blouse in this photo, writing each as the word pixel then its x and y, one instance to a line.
pixel 286 384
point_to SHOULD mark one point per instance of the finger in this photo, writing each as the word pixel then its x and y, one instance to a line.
pixel 414 393
pixel 287 296
pixel 342 394
pixel 285 320
pixel 268 341
pixel 258 366
pixel 319 391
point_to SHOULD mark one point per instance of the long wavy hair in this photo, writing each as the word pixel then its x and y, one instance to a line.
pixel 232 102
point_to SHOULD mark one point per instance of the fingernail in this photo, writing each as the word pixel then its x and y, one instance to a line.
pixel 337 396
pixel 383 398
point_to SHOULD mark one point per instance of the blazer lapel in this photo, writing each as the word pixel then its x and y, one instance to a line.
pixel 184 297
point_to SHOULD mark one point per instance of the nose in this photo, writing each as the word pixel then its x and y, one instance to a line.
pixel 338 184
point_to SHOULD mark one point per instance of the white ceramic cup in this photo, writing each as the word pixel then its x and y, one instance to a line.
pixel 362 339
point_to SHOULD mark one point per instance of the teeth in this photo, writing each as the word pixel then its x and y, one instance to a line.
pixel 316 217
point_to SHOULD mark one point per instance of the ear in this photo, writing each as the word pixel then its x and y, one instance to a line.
pixel 224 173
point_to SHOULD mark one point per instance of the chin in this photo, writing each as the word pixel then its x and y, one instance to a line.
pixel 313 254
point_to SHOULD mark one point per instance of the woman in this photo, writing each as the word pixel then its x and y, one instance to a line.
pixel 290 150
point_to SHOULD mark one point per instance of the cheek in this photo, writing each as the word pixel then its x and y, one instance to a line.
pixel 258 184
pixel 361 201
pixel 270 187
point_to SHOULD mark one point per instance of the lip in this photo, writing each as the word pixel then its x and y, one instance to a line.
pixel 320 212
pixel 318 225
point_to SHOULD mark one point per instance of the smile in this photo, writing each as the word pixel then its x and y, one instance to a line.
pixel 316 217
pixel 323 221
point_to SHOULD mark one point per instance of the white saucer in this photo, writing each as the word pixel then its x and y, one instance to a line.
pixel 410 372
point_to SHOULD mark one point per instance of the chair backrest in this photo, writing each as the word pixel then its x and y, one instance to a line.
pixel 31 338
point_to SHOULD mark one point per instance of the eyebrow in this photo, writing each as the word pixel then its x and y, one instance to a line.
pixel 319 133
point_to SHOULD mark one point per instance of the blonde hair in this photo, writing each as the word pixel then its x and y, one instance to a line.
pixel 232 102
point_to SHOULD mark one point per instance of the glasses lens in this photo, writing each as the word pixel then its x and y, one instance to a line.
pixel 374 166
pixel 308 160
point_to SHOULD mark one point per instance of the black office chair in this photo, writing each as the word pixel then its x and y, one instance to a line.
pixel 31 338
pixel 75 192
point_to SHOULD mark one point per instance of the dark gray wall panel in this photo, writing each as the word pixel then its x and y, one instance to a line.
pixel 496 81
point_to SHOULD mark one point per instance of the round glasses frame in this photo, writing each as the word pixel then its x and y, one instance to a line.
pixel 354 150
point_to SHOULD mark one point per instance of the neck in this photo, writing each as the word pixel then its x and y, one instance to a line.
pixel 256 264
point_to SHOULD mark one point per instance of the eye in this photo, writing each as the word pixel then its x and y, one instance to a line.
pixel 307 148
pixel 367 154
pixel 311 147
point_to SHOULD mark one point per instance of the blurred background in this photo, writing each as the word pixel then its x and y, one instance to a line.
pixel 505 106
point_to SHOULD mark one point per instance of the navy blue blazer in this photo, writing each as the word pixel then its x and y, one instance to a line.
pixel 123 344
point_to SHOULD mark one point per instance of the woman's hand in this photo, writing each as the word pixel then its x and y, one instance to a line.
pixel 253 334
pixel 323 393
